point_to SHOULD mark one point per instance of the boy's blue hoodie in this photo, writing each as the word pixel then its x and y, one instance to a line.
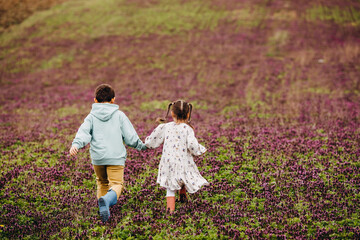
pixel 106 128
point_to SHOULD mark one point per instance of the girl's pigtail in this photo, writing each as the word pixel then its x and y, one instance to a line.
pixel 189 120
pixel 163 120
pixel 190 110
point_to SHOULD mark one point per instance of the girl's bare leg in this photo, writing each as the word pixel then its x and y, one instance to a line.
pixel 170 204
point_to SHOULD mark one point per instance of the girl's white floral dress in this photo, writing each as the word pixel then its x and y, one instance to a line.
pixel 177 166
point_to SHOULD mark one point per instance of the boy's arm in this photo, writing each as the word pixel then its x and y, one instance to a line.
pixel 129 134
pixel 83 135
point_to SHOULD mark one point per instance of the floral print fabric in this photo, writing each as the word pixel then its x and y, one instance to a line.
pixel 177 167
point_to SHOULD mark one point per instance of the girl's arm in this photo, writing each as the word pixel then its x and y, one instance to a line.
pixel 156 138
pixel 193 145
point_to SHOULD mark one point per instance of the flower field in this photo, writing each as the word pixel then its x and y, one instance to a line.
pixel 276 93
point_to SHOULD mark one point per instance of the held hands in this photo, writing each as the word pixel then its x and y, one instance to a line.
pixel 73 150
pixel 160 120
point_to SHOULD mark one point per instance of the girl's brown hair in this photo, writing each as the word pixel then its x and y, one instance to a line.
pixel 181 109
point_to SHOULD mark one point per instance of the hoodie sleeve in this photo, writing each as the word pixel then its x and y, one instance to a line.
pixel 129 134
pixel 83 135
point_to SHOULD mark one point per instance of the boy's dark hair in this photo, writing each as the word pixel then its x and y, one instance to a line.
pixel 104 93
pixel 181 109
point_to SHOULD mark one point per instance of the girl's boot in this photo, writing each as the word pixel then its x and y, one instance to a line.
pixel 170 204
pixel 105 202
pixel 182 194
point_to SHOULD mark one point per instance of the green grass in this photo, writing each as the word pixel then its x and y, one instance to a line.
pixel 84 19
pixel 154 105
pixel 276 41
pixel 69 111
pixel 249 17
pixel 335 14
pixel 58 61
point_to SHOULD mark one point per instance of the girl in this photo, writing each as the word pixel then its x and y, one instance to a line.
pixel 177 169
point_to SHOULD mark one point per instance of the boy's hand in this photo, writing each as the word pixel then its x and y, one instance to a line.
pixel 73 151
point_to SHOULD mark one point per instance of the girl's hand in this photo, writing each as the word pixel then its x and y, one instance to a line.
pixel 73 151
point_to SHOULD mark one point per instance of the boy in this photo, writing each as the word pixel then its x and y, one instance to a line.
pixel 106 128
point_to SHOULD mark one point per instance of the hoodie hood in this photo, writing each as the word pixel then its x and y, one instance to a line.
pixel 103 111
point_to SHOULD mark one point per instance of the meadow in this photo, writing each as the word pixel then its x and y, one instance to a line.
pixel 276 93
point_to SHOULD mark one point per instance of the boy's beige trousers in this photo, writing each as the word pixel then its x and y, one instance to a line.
pixel 109 176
